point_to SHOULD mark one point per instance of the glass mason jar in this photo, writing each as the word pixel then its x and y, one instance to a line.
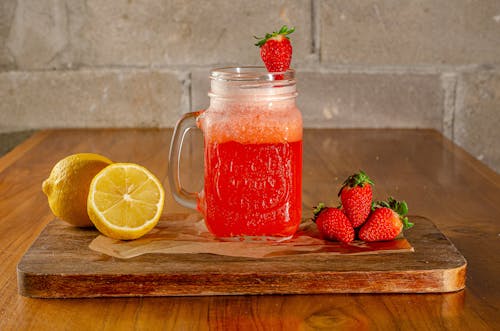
pixel 252 155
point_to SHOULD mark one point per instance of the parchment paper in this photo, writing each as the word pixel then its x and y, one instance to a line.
pixel 189 235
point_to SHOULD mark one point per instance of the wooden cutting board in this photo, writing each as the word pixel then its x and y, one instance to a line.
pixel 61 264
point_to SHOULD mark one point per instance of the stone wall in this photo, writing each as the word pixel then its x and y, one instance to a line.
pixel 363 64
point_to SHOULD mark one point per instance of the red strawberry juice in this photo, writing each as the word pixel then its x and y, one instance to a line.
pixel 253 166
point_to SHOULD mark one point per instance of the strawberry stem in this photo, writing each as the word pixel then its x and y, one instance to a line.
pixel 400 207
pixel 359 179
pixel 317 210
pixel 284 31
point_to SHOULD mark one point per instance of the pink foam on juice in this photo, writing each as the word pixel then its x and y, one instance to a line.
pixel 253 169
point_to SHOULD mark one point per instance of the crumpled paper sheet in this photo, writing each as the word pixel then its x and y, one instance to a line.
pixel 189 235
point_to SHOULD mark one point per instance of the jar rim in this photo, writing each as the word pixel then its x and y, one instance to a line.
pixel 250 74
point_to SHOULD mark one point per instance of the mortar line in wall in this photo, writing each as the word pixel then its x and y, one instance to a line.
pixel 449 84
pixel 452 134
pixel 427 69
pixel 186 92
pixel 316 28
pixel 459 103
pixel 190 92
pixel 453 114
pixel 6 46
pixel 313 28
pixel 376 69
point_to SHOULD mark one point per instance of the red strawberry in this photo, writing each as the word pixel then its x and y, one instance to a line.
pixel 356 197
pixel 386 222
pixel 276 50
pixel 333 224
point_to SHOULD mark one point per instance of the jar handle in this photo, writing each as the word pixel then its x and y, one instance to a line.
pixel 182 196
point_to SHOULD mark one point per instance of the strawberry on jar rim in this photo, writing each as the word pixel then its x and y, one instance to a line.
pixel 276 49
pixel 386 222
pixel 333 224
pixel 356 197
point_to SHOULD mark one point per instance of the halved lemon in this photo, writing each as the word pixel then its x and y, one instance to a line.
pixel 125 201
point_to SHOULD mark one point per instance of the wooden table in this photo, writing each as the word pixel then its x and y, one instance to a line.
pixel 437 179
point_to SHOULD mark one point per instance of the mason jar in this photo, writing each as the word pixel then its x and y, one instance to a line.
pixel 252 134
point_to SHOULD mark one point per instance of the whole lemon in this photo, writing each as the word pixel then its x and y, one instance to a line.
pixel 67 187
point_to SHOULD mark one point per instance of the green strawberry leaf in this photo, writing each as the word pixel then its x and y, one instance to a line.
pixel 317 210
pixel 406 223
pixel 400 207
pixel 285 31
pixel 380 204
pixel 359 179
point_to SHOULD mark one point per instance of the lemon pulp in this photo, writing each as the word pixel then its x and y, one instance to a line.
pixel 125 201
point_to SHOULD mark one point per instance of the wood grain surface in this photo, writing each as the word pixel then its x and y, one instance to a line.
pixel 56 267
pixel 437 179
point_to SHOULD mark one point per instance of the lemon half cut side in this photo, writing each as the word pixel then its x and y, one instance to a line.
pixel 125 201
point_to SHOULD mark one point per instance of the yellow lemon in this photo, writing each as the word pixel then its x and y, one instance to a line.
pixel 125 201
pixel 68 185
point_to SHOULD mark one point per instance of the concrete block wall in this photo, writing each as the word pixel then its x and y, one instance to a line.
pixel 361 64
